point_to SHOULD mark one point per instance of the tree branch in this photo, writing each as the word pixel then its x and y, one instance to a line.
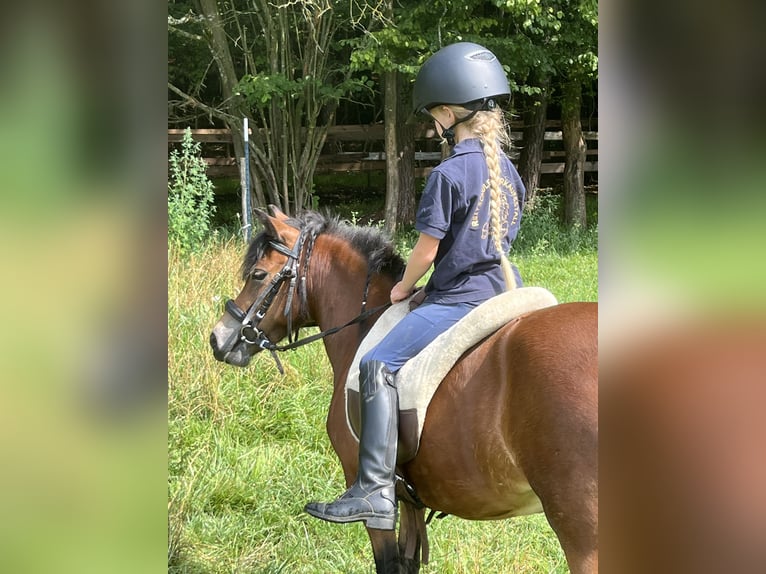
pixel 190 17
pixel 199 105
pixel 184 33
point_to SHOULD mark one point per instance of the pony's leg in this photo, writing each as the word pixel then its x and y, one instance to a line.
pixel 385 550
pixel 575 523
pixel 583 564
pixel 563 473
pixel 581 551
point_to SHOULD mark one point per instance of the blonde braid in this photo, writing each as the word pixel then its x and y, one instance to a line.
pixel 489 127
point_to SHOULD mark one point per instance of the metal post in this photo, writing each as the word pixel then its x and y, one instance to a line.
pixel 245 184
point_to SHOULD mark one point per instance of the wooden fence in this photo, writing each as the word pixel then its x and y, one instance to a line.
pixel 355 148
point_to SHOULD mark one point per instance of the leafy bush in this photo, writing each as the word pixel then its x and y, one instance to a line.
pixel 190 197
pixel 543 232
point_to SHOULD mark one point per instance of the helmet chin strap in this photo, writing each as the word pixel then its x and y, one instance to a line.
pixel 449 133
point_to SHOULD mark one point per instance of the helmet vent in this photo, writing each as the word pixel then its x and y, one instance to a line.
pixel 485 55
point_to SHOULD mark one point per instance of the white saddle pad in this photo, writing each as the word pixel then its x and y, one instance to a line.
pixel 419 378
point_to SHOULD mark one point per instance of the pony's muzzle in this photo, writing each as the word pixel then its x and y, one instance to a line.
pixel 218 353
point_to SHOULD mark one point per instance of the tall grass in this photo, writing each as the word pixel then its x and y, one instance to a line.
pixel 247 448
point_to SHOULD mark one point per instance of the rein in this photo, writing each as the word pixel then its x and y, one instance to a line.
pixel 250 331
pixel 358 319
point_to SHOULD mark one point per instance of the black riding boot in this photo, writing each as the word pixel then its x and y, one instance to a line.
pixel 372 497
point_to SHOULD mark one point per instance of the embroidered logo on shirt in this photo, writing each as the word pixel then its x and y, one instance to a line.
pixel 506 221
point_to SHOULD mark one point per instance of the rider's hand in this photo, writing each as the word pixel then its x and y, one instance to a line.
pixel 398 293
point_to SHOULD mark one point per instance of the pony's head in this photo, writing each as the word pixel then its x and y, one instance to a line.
pixel 279 271
pixel 270 305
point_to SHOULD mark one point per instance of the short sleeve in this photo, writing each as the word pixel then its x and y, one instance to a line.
pixel 435 210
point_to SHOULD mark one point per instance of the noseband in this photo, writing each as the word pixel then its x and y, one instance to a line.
pixel 250 331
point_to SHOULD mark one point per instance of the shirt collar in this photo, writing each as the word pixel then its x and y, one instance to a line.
pixel 470 145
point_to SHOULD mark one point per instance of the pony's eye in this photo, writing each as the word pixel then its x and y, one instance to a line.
pixel 258 275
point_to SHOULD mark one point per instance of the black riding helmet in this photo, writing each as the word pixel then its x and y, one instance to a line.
pixel 460 74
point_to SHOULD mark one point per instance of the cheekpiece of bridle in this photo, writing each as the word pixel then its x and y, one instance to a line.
pixel 250 331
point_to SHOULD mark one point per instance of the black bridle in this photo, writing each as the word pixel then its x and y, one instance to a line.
pixel 250 331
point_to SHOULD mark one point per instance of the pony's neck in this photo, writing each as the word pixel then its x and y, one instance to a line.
pixel 336 287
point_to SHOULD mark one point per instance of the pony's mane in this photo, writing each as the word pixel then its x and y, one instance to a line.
pixel 372 243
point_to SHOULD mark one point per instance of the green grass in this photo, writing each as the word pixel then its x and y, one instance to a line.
pixel 247 447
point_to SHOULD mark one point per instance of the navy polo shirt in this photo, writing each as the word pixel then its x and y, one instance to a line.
pixel 454 208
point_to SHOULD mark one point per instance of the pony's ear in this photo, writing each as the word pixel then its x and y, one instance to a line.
pixel 277 213
pixel 262 216
pixel 274 226
pixel 267 222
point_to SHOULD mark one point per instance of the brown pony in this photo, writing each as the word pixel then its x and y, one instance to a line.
pixel 683 472
pixel 512 429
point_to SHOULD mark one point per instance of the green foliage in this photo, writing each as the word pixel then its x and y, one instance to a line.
pixel 190 197
pixel 552 37
pixel 259 90
pixel 542 231
pixel 188 60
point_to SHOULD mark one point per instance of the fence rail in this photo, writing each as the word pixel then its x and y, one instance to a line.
pixel 357 148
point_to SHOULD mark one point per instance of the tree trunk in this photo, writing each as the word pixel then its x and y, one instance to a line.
pixel 294 41
pixel 534 136
pixel 391 108
pixel 574 146
pixel 405 135
pixel 219 47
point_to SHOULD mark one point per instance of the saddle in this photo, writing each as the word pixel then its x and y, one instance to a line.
pixel 418 379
